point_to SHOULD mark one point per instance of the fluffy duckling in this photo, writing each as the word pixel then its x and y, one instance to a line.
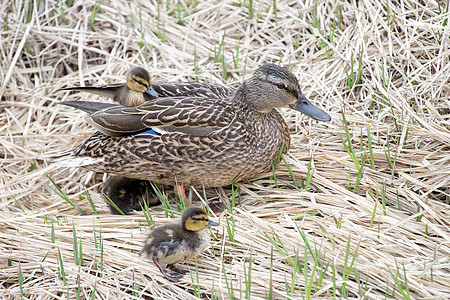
pixel 177 242
pixel 129 194
pixel 135 91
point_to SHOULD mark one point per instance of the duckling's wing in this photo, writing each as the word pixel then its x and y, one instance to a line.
pixel 194 89
pixel 109 91
pixel 167 247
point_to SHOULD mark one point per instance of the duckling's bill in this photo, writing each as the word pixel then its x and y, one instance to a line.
pixel 303 105
pixel 212 223
pixel 151 91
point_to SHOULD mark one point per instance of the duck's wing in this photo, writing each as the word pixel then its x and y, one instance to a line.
pixel 197 116
pixel 193 89
pixel 109 91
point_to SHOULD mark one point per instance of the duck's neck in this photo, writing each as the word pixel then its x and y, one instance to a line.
pixel 249 96
pixel 239 95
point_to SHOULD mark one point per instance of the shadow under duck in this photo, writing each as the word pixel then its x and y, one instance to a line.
pixel 203 141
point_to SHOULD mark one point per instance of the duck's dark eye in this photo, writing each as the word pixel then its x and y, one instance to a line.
pixel 141 83
pixel 281 85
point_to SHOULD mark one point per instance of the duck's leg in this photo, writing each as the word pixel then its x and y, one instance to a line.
pixel 181 194
pixel 170 276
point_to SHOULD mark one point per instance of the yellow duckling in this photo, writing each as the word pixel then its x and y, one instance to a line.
pixel 177 242
pixel 135 91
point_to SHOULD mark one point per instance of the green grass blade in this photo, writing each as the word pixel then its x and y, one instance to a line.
pixel 91 202
pixel 60 193
pixel 61 268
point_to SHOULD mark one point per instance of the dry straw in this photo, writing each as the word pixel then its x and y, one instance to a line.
pixel 370 216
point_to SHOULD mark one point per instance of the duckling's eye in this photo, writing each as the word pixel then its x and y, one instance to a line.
pixel 281 85
pixel 139 81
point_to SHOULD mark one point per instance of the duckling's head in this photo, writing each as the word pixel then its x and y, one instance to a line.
pixel 195 219
pixel 138 80
pixel 272 86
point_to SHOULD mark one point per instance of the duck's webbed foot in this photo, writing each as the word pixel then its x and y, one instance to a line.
pixel 172 276
pixel 177 270
pixel 128 194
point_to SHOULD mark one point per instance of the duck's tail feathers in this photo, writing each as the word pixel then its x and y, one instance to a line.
pixel 108 91
pixel 68 159
pixel 88 107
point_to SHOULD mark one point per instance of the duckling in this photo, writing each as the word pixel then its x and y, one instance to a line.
pixel 128 194
pixel 177 242
pixel 135 91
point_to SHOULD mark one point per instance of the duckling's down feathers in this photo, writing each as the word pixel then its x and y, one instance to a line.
pixel 176 242
pixel 177 245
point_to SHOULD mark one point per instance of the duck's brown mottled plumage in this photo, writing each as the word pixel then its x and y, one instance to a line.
pixel 177 242
pixel 201 141
pixel 210 161
pixel 193 89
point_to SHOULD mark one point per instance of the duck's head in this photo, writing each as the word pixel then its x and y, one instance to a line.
pixel 195 219
pixel 138 80
pixel 272 86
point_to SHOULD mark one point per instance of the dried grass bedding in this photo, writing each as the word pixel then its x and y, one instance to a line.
pixel 374 219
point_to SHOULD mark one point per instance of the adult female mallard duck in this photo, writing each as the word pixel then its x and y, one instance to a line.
pixel 177 242
pixel 127 194
pixel 196 141
pixel 137 90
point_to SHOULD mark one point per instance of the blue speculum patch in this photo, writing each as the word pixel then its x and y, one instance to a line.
pixel 150 131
